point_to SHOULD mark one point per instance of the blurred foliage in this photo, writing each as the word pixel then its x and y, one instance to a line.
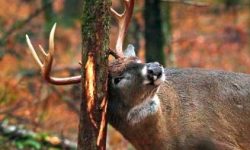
pixel 19 138
pixel 214 36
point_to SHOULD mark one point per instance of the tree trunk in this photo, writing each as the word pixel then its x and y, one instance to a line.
pixel 95 42
pixel 231 4
pixel 167 29
pixel 248 4
pixel 153 32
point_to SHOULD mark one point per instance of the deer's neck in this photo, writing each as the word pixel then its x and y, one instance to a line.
pixel 140 112
pixel 144 124
pixel 136 113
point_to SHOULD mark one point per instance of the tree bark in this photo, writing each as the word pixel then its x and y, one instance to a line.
pixel 153 32
pixel 95 43
pixel 167 30
pixel 248 22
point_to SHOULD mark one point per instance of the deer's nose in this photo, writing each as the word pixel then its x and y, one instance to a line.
pixel 154 70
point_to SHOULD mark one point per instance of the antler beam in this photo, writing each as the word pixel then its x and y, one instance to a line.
pixel 123 21
pixel 48 61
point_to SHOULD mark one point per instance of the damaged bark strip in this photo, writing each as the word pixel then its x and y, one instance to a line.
pixel 95 42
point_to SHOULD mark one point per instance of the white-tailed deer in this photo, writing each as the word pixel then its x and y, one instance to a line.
pixel 192 109
pixel 177 109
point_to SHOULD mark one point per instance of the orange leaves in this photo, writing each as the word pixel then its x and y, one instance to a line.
pixel 206 39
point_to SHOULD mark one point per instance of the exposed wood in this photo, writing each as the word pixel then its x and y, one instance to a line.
pixel 188 2
pixel 95 51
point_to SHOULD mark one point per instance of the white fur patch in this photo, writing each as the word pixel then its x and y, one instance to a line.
pixel 139 61
pixel 145 82
pixel 143 110
pixel 144 71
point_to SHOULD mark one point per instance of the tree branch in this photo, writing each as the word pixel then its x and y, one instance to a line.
pixel 188 2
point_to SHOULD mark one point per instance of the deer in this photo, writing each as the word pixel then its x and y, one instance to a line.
pixel 157 108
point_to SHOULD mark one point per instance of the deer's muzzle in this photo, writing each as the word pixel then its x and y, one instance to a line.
pixel 155 73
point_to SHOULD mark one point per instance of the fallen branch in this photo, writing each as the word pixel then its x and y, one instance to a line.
pixel 188 2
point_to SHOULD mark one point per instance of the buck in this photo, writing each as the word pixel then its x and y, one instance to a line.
pixel 176 109
pixel 193 109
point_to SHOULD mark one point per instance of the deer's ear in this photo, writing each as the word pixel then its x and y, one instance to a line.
pixel 130 51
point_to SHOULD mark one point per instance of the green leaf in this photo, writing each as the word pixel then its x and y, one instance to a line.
pixel 19 145
pixel 32 144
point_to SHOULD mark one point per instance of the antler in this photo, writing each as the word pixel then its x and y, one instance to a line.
pixel 123 21
pixel 48 61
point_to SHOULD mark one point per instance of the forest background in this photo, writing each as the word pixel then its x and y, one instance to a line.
pixel 212 34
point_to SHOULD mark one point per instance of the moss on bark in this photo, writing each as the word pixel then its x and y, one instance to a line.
pixel 95 43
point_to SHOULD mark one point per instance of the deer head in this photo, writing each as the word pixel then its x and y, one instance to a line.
pixel 132 84
pixel 132 88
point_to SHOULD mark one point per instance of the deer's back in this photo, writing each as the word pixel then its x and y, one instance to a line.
pixel 208 107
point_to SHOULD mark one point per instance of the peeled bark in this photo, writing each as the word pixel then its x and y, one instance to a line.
pixel 95 42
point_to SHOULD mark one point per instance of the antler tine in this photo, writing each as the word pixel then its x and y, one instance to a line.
pixel 128 12
pixel 48 61
pixel 123 21
pixel 51 40
pixel 33 52
pixel 42 50
pixel 49 58
pixel 115 14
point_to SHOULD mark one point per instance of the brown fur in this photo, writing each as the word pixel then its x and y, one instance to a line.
pixel 200 110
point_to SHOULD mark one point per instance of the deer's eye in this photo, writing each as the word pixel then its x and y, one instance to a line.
pixel 117 80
